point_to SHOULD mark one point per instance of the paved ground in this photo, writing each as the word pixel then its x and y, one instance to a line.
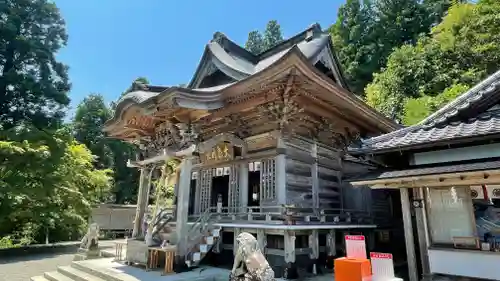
pixel 22 268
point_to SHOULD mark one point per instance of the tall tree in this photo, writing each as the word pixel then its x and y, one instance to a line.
pixel 33 84
pixel 258 43
pixel 272 35
pixel 353 38
pixel 90 116
pixel 367 31
pixel 462 50
pixel 255 42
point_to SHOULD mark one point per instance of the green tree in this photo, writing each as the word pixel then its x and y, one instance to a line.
pixel 255 42
pixel 272 35
pixel 90 116
pixel 33 84
pixel 462 50
pixel 353 38
pixel 48 184
pixel 258 43
pixel 367 31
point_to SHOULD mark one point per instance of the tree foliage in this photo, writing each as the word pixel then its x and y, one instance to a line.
pixel 258 43
pixel 367 31
pixel 48 182
pixel 90 116
pixel 459 52
pixel 33 84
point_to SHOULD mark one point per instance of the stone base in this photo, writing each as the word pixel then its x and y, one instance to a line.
pixel 290 271
pixel 315 267
pixel 87 254
pixel 329 262
pixel 180 264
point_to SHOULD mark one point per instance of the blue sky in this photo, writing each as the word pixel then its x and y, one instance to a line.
pixel 112 42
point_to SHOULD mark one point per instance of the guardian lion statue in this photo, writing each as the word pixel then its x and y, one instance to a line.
pixel 91 240
pixel 249 262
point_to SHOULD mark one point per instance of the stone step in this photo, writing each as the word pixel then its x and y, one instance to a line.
pixel 56 276
pixel 101 273
pixel 77 274
pixel 38 278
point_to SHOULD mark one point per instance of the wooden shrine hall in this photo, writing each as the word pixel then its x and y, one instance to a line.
pixel 262 141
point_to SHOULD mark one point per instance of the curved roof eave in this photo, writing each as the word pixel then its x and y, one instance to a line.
pixel 348 96
pixel 211 98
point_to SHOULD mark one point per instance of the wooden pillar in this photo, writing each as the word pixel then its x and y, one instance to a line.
pixel 290 271
pixel 280 164
pixel 314 175
pixel 236 232
pixel 142 202
pixel 331 248
pixel 423 239
pixel 183 204
pixel 408 230
pixel 261 239
pixel 314 246
pixel 243 183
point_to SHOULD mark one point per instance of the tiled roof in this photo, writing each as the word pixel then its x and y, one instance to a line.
pixel 436 170
pixel 485 124
pixel 439 127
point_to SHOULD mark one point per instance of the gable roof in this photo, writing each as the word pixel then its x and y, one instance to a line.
pixel 234 61
pixel 458 119
pixel 212 97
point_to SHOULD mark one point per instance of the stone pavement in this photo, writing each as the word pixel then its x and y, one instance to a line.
pixel 23 268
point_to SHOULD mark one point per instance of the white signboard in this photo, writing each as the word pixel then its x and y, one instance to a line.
pixel 355 246
pixel 382 266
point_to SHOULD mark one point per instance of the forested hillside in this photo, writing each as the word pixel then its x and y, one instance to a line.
pixel 406 58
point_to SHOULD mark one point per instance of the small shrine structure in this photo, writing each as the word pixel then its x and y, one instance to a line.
pixel 263 142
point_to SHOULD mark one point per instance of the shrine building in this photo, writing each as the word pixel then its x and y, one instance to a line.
pixel 262 141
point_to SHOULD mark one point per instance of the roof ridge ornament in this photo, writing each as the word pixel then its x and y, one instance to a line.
pixel 139 86
pixel 218 37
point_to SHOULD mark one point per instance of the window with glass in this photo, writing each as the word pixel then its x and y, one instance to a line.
pixel 486 203
pixel 450 214
pixel 465 213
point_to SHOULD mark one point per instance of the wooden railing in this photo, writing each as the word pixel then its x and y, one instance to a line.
pixel 287 215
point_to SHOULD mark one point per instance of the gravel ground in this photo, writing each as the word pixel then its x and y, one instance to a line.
pixel 22 268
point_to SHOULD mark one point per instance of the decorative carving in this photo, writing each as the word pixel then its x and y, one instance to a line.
pixel 237 126
pixel 285 109
pixel 170 136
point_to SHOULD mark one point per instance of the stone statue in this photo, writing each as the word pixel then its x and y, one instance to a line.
pixel 249 262
pixel 89 246
pixel 91 240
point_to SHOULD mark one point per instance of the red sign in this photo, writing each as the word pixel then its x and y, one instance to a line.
pixel 382 266
pixel 355 246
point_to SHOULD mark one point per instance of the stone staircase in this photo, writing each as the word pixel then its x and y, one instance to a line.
pixel 74 272
pixel 205 243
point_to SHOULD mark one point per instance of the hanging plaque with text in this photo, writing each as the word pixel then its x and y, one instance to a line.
pixel 220 153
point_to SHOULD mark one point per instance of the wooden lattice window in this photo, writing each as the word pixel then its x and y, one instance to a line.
pixel 268 179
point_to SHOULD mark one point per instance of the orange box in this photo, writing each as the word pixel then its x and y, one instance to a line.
pixel 351 269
